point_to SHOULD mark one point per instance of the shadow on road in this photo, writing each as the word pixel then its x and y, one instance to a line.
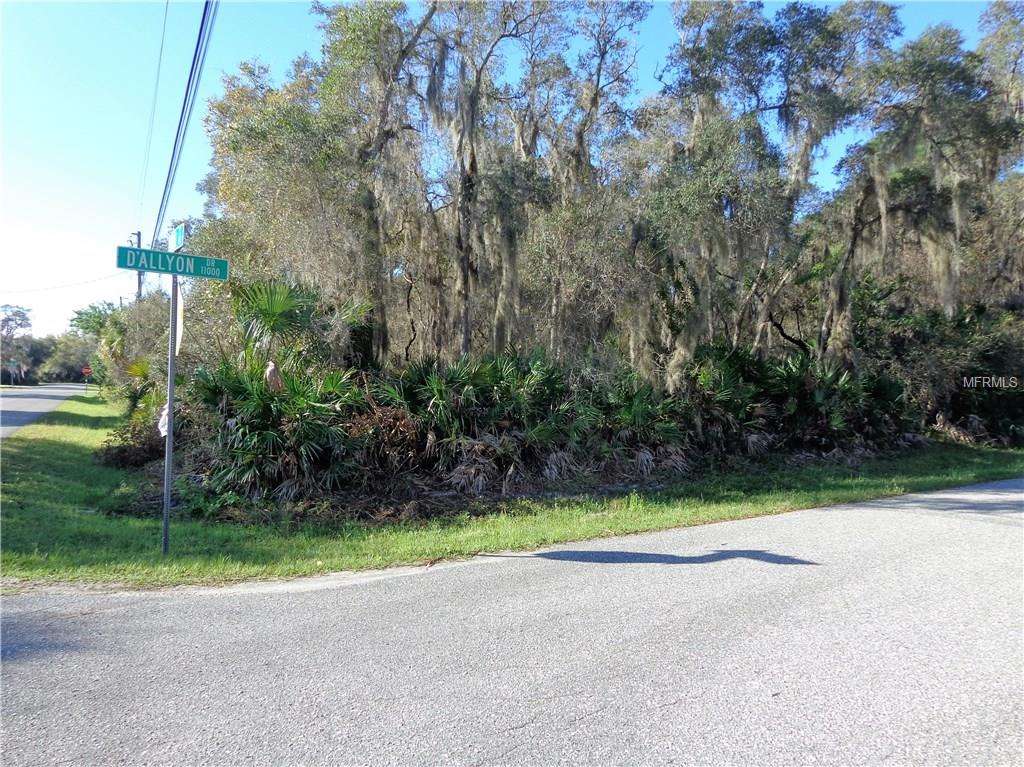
pixel 998 502
pixel 26 417
pixel 25 636
pixel 61 418
pixel 16 395
pixel 642 558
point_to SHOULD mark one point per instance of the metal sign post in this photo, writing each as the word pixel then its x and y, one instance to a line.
pixel 169 443
pixel 175 264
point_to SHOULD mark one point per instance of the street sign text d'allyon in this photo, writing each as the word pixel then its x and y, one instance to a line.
pixel 184 265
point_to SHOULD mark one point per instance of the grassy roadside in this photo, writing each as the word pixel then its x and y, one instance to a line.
pixel 52 530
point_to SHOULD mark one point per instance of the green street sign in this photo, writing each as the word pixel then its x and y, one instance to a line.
pixel 179 237
pixel 139 259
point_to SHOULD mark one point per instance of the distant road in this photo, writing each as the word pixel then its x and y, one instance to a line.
pixel 20 405
pixel 887 632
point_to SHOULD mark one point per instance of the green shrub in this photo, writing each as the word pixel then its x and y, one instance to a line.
pixel 930 354
pixel 134 443
pixel 129 498
pixel 486 424
pixel 138 387
pixel 291 442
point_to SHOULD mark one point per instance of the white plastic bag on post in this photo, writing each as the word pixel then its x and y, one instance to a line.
pixel 180 321
pixel 162 426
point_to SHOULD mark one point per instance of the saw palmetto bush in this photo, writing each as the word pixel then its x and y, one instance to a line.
pixel 613 418
pixel 140 389
pixel 931 354
pixel 137 441
pixel 821 405
pixel 276 317
pixel 817 405
pixel 885 409
pixel 291 442
pixel 724 396
pixel 505 421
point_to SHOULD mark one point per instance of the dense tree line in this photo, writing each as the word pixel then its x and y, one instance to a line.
pixel 483 175
pixel 29 359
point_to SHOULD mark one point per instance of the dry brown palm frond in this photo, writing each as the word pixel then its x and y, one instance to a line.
pixel 673 458
pixel 644 461
pixel 559 464
pixel 953 431
pixel 758 443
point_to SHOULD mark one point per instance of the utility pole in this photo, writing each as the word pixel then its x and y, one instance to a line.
pixel 138 244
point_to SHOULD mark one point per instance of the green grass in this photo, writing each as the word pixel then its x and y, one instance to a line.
pixel 52 529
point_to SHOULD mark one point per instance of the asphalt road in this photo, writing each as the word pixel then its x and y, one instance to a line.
pixel 23 404
pixel 885 632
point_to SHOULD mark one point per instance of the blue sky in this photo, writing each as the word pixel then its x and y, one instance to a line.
pixel 77 84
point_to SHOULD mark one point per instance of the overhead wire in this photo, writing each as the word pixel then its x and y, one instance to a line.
pixel 68 285
pixel 152 112
pixel 188 103
pixel 191 88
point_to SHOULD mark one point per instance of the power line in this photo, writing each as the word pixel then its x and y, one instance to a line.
pixel 152 112
pixel 191 90
pixel 69 285
pixel 198 54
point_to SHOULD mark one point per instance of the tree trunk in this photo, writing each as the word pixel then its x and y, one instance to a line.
pixel 508 287
pixel 464 249
pixel 555 316
pixel 835 341
pixel 374 273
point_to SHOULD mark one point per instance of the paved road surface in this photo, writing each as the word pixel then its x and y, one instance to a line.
pixel 23 404
pixel 885 632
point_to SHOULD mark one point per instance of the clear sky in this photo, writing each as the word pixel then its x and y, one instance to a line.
pixel 76 85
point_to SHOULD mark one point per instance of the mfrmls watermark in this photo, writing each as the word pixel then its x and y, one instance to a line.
pixel 991 382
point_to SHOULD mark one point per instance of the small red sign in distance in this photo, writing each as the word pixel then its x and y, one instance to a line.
pixel 87 371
